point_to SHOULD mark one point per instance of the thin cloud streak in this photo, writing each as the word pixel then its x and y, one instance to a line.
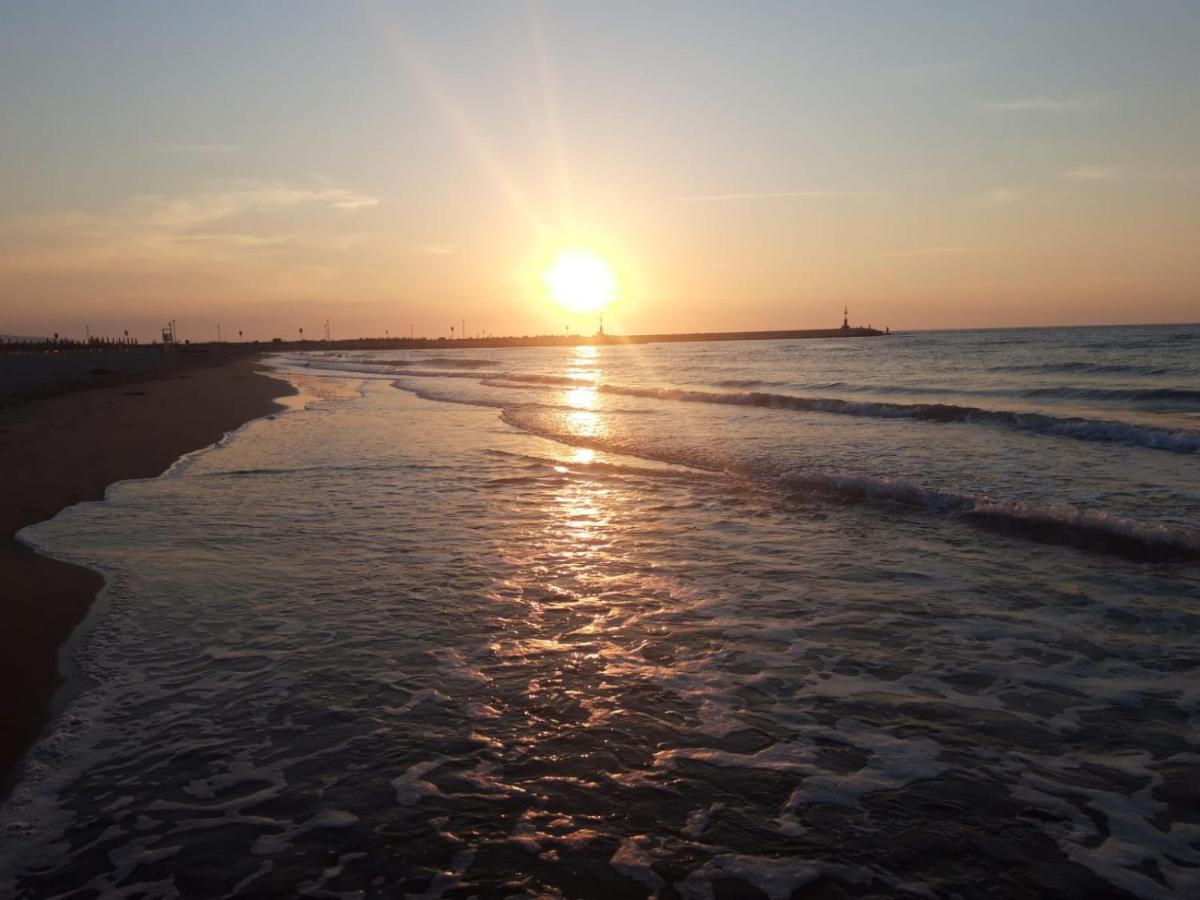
pixel 1093 173
pixel 199 149
pixel 947 250
pixel 945 67
pixel 1002 195
pixel 204 207
pixel 772 195
pixel 353 201
pixel 432 249
pixel 1035 104
pixel 150 230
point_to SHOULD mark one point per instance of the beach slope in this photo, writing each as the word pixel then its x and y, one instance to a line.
pixel 62 443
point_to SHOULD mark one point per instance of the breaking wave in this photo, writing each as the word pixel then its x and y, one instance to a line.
pixel 1153 397
pixel 1176 396
pixel 451 362
pixel 1087 529
pixel 1084 367
pixel 1073 427
pixel 1094 530
pixel 1039 423
pixel 748 383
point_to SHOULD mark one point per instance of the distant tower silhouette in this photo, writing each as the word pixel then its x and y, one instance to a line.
pixel 846 318
pixel 600 333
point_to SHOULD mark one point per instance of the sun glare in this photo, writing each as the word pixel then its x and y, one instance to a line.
pixel 580 281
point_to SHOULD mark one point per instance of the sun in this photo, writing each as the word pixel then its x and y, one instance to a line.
pixel 580 280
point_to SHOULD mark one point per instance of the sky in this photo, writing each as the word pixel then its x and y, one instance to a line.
pixel 392 167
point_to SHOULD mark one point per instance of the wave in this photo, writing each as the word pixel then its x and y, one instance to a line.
pixel 888 388
pixel 1132 396
pixel 1072 427
pixel 502 402
pixel 1087 529
pixel 1085 367
pixel 944 413
pixel 1181 396
pixel 1093 530
pixel 749 383
pixel 376 367
pixel 453 362
pixel 594 466
pixel 521 381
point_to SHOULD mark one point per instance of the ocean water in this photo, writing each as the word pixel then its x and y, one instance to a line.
pixel 915 616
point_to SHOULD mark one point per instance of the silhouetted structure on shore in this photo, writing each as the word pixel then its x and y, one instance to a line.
pixel 568 340
pixel 57 344
pixel 411 343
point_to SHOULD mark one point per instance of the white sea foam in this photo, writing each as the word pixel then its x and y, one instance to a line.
pixel 633 862
pixel 412 785
pixel 777 877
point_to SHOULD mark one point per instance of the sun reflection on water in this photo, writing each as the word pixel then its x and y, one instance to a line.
pixel 583 420
pixel 581 398
pixel 585 424
pixel 584 364
pixel 581 514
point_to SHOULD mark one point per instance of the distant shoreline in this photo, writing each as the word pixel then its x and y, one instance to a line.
pixel 442 343
pixel 565 340
pixel 19 344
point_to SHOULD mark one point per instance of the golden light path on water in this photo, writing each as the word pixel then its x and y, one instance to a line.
pixel 584 419
pixel 582 504
pixel 573 551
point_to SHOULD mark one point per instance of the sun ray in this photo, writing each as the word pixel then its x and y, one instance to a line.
pixel 423 75
pixel 550 106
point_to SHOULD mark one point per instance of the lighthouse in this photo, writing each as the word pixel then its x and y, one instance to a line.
pixel 846 318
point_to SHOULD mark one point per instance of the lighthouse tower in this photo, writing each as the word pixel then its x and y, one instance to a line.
pixel 846 318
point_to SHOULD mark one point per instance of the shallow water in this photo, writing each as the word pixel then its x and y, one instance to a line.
pixel 530 623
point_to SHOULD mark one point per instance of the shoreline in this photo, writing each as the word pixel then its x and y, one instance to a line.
pixel 64 443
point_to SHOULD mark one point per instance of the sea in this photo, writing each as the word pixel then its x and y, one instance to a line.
pixel 910 616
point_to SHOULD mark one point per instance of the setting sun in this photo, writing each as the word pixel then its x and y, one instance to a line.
pixel 580 281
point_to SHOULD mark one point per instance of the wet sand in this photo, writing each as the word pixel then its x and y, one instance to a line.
pixel 70 425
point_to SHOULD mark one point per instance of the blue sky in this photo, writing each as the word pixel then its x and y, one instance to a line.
pixel 742 165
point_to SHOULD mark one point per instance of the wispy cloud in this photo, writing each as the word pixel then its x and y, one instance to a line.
pixel 226 222
pixel 772 195
pixel 947 250
pixel 184 211
pixel 1002 195
pixel 432 249
pixel 199 149
pixel 348 200
pixel 1093 173
pixel 1036 104
pixel 941 67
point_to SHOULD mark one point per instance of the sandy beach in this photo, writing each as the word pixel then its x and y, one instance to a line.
pixel 70 425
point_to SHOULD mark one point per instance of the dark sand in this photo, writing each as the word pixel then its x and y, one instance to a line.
pixel 70 425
